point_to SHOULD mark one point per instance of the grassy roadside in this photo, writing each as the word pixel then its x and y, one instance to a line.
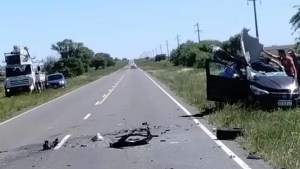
pixel 275 136
pixel 10 107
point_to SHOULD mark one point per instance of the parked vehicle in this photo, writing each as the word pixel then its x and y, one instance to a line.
pixel 56 80
pixel 232 79
pixel 21 73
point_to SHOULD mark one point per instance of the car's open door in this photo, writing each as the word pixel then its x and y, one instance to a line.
pixel 224 84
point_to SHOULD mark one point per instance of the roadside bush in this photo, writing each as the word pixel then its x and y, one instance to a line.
pixel 70 67
pixel 98 62
pixel 160 57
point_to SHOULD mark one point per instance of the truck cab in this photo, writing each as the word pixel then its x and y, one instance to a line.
pixel 20 73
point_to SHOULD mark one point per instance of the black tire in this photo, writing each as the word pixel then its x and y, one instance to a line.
pixel 219 105
pixel 7 94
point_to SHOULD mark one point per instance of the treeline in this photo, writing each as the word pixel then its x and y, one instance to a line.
pixel 76 59
pixel 191 54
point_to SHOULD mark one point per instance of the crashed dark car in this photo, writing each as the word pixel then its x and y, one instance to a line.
pixel 56 80
pixel 232 79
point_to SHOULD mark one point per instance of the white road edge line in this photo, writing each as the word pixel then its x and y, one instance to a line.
pixel 238 160
pixel 62 142
pixel 87 116
pixel 97 103
pixel 111 90
pixel 60 97
pixel 103 95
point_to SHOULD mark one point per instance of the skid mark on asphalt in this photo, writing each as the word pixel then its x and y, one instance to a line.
pixel 231 154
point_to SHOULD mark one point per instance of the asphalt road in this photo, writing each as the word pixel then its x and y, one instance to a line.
pixel 109 106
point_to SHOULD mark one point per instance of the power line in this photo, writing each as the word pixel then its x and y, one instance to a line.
pixel 255 16
pixel 198 31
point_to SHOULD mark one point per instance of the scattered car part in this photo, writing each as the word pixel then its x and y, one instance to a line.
pixel 228 133
pixel 135 137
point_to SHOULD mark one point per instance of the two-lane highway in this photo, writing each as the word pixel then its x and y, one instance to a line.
pixel 122 100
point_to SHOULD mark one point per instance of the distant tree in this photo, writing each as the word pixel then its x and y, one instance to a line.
pixel 109 61
pixel 67 48
pixel 49 64
pixel 116 59
pixel 124 59
pixel 85 55
pixel 97 62
pixel 233 45
pixel 160 57
pixel 295 20
pixel 70 67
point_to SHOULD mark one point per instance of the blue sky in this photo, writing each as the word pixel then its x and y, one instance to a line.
pixel 128 28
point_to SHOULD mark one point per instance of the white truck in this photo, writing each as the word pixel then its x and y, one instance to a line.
pixel 21 74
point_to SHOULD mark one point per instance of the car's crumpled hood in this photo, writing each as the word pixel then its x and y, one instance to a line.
pixel 274 81
pixel 251 47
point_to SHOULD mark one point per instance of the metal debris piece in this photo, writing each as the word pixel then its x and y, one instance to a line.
pixel 254 157
pixel 135 137
pixel 98 137
pixel 55 142
pixel 46 145
pixel 228 133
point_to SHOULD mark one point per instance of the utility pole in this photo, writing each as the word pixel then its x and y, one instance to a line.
pixel 198 31
pixel 167 43
pixel 160 49
pixel 255 16
pixel 177 38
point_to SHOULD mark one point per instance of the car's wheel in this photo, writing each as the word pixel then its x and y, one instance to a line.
pixel 219 105
pixel 7 94
pixel 55 86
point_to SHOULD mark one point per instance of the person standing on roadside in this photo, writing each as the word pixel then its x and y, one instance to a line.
pixel 295 59
pixel 286 61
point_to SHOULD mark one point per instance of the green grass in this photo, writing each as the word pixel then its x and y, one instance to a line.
pixel 10 107
pixel 273 135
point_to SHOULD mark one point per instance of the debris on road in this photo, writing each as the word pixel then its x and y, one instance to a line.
pixel 254 157
pixel 98 137
pixel 46 145
pixel 228 133
pixel 135 137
